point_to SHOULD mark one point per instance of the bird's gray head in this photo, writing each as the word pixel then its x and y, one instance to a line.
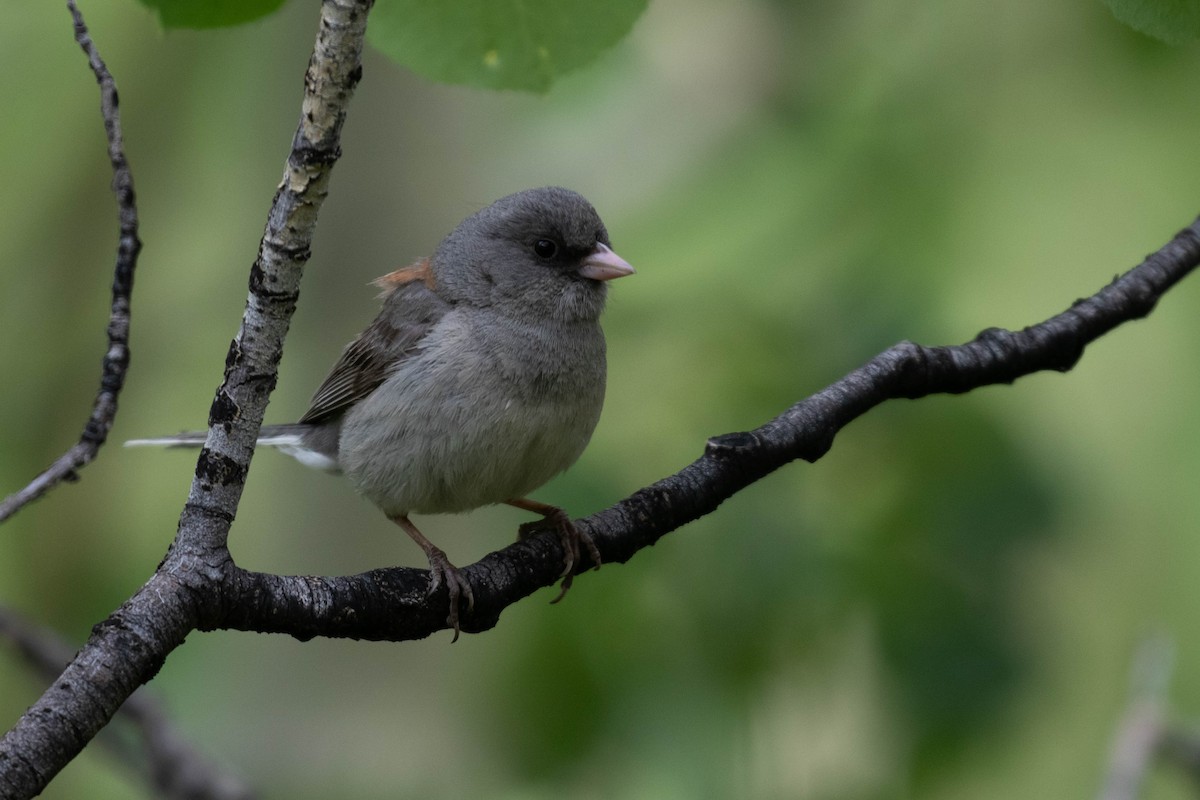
pixel 542 251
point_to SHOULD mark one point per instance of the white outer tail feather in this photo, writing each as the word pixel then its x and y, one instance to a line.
pixel 178 440
pixel 288 443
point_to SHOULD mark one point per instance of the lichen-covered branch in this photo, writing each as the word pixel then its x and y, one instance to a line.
pixel 127 649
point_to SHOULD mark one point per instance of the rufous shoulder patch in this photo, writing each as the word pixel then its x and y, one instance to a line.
pixel 420 270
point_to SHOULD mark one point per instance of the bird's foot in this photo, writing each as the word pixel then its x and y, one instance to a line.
pixel 571 537
pixel 442 571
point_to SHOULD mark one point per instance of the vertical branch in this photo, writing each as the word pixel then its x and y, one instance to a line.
pixel 127 649
pixel 251 366
pixel 116 358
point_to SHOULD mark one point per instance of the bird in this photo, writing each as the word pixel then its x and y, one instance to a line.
pixel 482 377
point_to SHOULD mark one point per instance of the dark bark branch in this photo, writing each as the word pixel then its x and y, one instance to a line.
pixel 391 604
pixel 198 585
pixel 116 358
pixel 123 652
pixel 126 650
pixel 165 760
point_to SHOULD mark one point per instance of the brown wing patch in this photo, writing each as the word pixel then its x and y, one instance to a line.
pixel 420 270
pixel 410 311
pixel 361 368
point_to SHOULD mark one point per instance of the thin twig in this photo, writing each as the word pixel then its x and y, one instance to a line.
pixel 116 358
pixel 1141 729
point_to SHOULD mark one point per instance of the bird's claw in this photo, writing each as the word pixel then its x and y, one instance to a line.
pixel 571 539
pixel 442 571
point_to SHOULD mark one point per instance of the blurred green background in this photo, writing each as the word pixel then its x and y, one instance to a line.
pixel 945 606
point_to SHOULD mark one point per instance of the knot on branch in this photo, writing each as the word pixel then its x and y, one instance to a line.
pixel 728 443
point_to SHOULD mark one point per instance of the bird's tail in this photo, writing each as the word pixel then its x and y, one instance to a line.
pixel 287 438
pixel 281 436
pixel 185 439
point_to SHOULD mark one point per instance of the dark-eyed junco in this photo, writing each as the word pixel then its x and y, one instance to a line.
pixel 481 378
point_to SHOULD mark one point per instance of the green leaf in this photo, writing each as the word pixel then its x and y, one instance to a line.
pixel 499 44
pixel 1173 21
pixel 210 13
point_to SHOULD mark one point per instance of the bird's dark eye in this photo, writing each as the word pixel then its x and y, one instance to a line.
pixel 545 248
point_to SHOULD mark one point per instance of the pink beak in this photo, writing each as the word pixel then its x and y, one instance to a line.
pixel 602 264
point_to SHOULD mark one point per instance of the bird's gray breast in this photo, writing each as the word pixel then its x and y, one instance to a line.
pixel 488 408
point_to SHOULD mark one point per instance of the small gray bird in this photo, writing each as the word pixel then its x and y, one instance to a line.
pixel 481 378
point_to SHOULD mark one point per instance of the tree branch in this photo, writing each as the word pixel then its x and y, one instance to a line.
pixel 391 604
pixel 116 359
pixel 126 650
pixel 1141 731
pixel 168 763
pixel 199 586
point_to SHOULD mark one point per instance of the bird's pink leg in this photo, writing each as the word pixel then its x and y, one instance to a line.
pixel 570 536
pixel 442 570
